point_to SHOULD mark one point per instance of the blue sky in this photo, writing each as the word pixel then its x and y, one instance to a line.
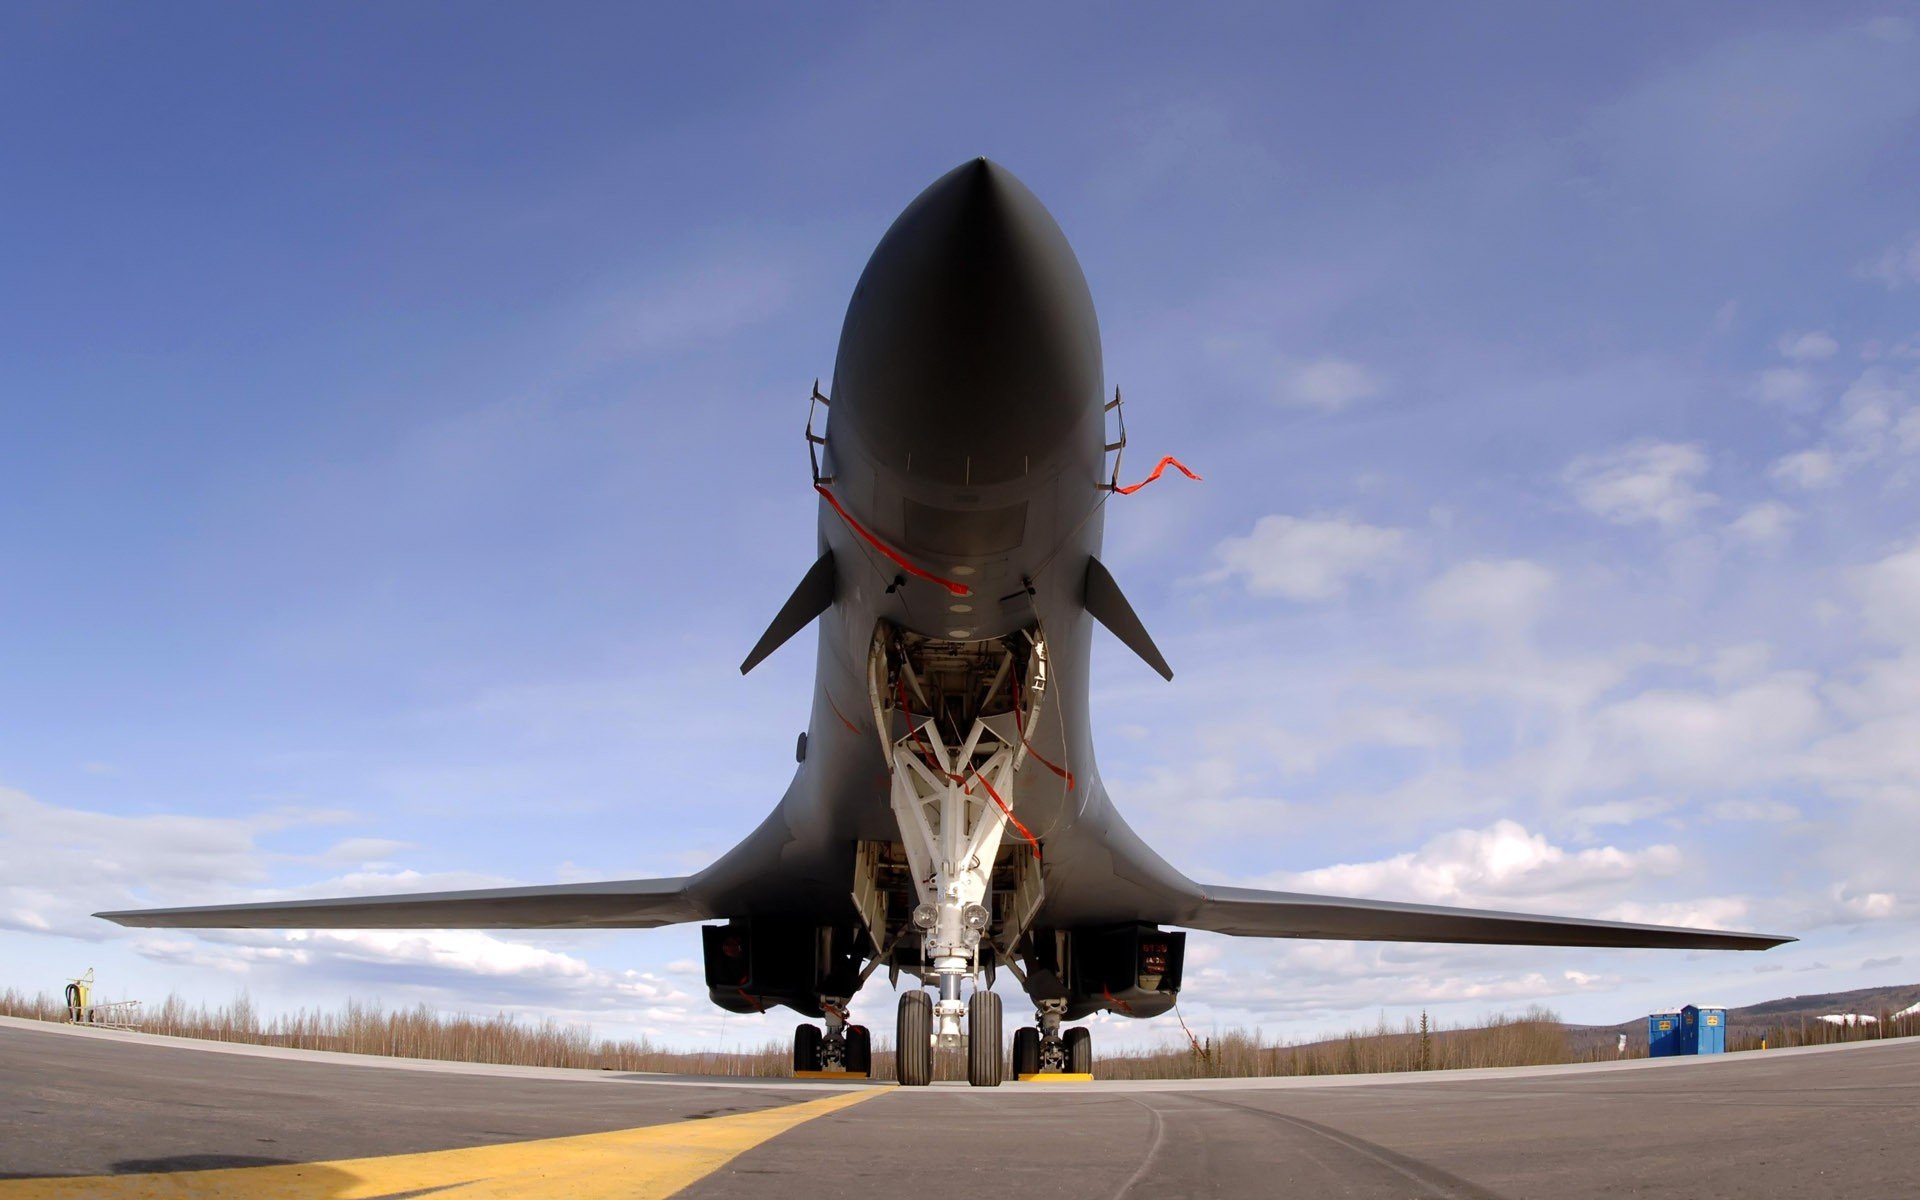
pixel 403 411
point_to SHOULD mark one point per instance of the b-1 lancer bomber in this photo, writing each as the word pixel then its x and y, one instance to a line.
pixel 947 820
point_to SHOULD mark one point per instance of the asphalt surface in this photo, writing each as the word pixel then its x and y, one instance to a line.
pixel 72 1104
pixel 1841 1121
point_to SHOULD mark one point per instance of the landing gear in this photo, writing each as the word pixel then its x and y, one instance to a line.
pixel 913 1048
pixel 984 1063
pixel 1079 1046
pixel 806 1048
pixel 1026 1051
pixel 842 1047
pixel 954 766
pixel 859 1050
pixel 1050 1049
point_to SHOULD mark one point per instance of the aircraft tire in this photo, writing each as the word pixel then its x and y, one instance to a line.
pixel 806 1047
pixel 984 1061
pixel 913 1048
pixel 1026 1051
pixel 1079 1051
pixel 859 1050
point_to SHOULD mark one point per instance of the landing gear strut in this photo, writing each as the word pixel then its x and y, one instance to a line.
pixel 953 798
pixel 1050 1050
pixel 842 1047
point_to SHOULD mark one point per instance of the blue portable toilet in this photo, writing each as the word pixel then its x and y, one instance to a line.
pixel 1663 1034
pixel 1703 1029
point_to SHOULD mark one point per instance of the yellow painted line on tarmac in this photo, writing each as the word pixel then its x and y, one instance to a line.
pixel 648 1163
pixel 1056 1077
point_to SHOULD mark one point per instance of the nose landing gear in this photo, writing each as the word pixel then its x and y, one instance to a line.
pixel 913 1047
pixel 953 798
pixel 986 1065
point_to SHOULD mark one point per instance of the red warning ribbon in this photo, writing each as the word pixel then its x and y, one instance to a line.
pixel 899 560
pixel 1163 464
pixel 927 750
pixel 1024 831
pixel 851 727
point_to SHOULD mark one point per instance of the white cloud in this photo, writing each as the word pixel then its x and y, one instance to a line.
pixel 1877 418
pixel 1620 812
pixel 1499 864
pixel 1699 737
pixel 1808 347
pixel 1742 663
pixel 1876 762
pixel 1307 558
pixel 1790 388
pixel 1710 912
pixel 1808 469
pixel 1505 594
pixel 359 850
pixel 1642 482
pixel 1765 524
pixel 1898 265
pixel 1880 412
pixel 465 951
pixel 1889 592
pixel 59 865
pixel 1754 810
pixel 1329 384
pixel 1870 906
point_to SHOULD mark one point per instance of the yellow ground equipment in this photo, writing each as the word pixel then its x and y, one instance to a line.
pixel 81 1009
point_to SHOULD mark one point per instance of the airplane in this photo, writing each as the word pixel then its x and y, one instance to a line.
pixel 946 819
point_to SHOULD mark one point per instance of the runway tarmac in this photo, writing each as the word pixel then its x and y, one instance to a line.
pixel 98 1114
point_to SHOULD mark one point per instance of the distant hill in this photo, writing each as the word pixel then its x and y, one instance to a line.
pixel 1862 1000
pixel 1756 1020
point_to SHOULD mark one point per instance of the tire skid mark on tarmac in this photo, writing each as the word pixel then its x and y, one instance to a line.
pixel 1153 1148
pixel 1433 1182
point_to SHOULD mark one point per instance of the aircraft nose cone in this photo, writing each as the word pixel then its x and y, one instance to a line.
pixel 970 355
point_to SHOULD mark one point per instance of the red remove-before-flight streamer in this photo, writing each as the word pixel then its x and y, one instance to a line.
pixel 1163 464
pixel 899 560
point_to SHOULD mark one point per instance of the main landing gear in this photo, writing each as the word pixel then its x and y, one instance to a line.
pixel 842 1047
pixel 1047 1049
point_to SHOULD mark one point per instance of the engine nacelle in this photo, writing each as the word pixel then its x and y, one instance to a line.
pixel 753 964
pixel 1132 970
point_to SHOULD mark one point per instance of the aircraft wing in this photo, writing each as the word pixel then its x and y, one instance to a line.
pixel 621 904
pixel 1251 912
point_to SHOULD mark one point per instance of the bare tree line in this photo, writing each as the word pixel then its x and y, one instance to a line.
pixel 1533 1038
